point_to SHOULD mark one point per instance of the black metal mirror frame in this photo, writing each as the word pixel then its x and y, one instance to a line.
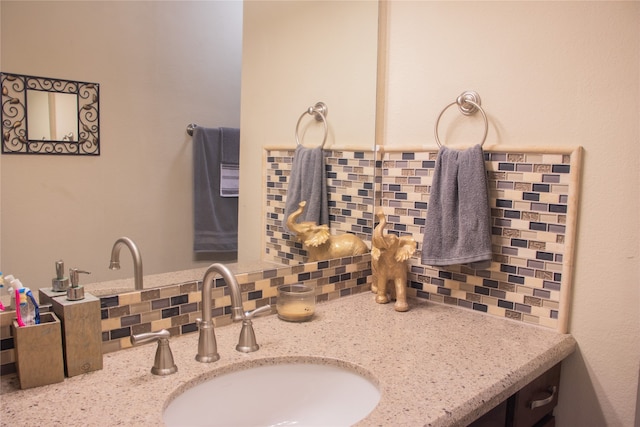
pixel 15 138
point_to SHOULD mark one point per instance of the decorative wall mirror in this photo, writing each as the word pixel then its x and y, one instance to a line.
pixel 42 115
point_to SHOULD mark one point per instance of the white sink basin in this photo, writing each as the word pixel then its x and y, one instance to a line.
pixel 284 394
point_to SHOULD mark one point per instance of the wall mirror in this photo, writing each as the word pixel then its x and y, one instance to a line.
pixel 42 115
pixel 150 101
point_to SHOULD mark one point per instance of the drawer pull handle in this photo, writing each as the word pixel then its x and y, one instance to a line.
pixel 537 403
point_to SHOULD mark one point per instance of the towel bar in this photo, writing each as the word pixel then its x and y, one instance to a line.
pixel 468 103
pixel 190 128
pixel 320 112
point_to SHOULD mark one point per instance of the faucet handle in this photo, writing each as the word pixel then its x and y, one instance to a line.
pixel 146 337
pixel 258 311
pixel 74 275
pixel 247 342
pixel 163 363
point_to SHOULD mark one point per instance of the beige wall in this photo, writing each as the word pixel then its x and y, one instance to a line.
pixel 549 74
pixel 295 54
pixel 160 65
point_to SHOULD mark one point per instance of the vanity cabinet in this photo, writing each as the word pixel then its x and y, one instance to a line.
pixel 531 406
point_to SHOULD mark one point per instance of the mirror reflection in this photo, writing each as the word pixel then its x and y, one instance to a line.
pixel 351 198
pixel 52 116
pixel 153 86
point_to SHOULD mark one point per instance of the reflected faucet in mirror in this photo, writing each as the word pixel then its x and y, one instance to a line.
pixel 68 137
pixel 137 259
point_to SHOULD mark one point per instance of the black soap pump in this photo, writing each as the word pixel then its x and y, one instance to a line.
pixel 75 292
pixel 60 283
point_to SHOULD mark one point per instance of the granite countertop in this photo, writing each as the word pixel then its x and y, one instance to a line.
pixel 434 365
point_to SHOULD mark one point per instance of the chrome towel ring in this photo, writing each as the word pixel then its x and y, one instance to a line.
pixel 468 103
pixel 320 112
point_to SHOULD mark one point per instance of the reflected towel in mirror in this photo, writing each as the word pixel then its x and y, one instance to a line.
pixel 308 182
pixel 215 217
pixel 229 162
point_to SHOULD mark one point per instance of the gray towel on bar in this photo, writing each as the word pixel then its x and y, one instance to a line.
pixel 308 182
pixel 215 217
pixel 230 146
pixel 229 162
pixel 458 227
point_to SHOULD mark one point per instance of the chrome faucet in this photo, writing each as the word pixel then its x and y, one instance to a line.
pixel 207 346
pixel 137 259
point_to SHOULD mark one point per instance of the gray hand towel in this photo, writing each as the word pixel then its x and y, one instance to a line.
pixel 458 227
pixel 215 217
pixel 229 162
pixel 308 182
pixel 230 146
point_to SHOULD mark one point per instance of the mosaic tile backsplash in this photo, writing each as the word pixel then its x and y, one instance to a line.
pixel 529 200
pixel 350 184
pixel 177 307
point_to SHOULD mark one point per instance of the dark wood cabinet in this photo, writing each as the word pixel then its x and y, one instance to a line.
pixel 495 417
pixel 531 406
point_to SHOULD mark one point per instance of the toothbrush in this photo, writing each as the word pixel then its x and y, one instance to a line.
pixel 1 286
pixel 18 314
pixel 35 305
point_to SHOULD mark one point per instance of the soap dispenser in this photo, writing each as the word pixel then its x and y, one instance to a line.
pixel 75 292
pixel 59 286
pixel 80 316
pixel 60 283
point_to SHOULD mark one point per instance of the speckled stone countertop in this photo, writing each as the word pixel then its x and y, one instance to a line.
pixel 434 365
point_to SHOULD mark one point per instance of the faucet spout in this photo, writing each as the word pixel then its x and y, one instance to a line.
pixel 207 347
pixel 114 264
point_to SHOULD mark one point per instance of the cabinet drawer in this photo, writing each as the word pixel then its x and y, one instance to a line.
pixel 547 421
pixel 495 417
pixel 537 399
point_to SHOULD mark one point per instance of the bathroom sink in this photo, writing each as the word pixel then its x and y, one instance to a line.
pixel 281 394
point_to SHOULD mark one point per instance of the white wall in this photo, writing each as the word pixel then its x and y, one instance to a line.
pixel 160 66
pixel 295 54
pixel 549 74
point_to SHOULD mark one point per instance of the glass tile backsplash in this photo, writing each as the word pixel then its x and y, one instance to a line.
pixel 530 194
pixel 177 307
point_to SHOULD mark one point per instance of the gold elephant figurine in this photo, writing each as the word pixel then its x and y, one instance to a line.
pixel 389 254
pixel 318 241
